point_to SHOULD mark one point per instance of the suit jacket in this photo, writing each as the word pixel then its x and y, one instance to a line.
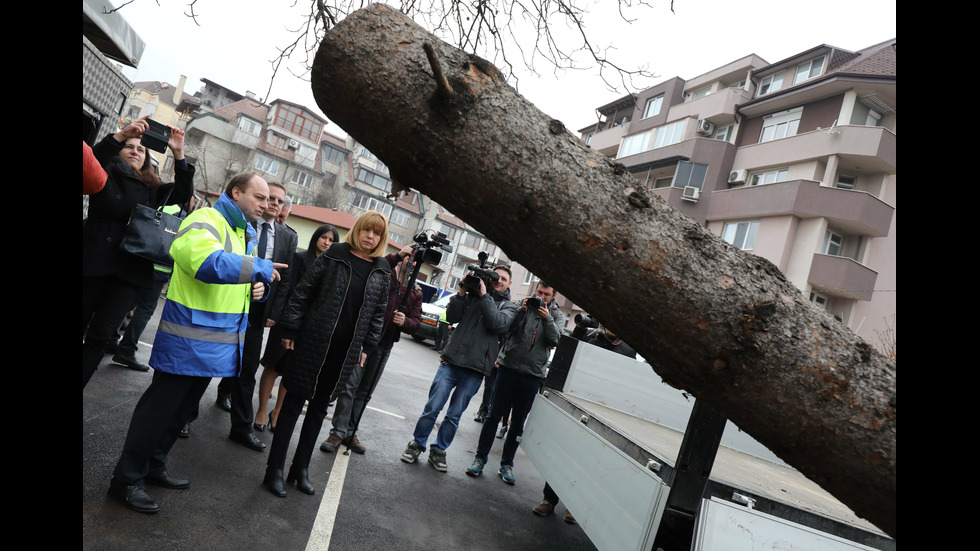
pixel 284 246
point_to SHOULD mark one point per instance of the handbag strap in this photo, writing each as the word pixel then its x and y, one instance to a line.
pixel 167 198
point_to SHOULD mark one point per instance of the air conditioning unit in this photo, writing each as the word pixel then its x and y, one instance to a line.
pixel 738 176
pixel 705 127
pixel 293 144
pixel 691 193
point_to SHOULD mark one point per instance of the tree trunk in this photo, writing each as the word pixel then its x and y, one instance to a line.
pixel 720 323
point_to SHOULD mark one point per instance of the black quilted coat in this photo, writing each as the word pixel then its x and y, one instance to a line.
pixel 312 312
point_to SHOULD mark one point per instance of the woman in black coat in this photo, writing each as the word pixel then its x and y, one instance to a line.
pixel 334 316
pixel 111 277
pixel 274 359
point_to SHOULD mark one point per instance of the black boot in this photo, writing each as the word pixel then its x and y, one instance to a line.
pixel 300 475
pixel 273 481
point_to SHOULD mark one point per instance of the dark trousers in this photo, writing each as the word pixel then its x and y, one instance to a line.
pixel 105 302
pixel 515 392
pixel 159 415
pixel 242 388
pixel 309 434
pixel 145 304
pixel 549 495
pixel 353 400
pixel 488 383
pixel 442 335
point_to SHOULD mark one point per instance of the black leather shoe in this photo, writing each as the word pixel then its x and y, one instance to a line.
pixel 302 478
pixel 185 431
pixel 273 481
pixel 129 361
pixel 134 498
pixel 248 440
pixel 164 480
pixel 224 402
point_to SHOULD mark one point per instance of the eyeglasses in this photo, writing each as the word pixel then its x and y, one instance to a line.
pixel 277 200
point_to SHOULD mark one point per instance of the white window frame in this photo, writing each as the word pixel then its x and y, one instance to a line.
pixel 653 106
pixel 805 71
pixel 819 299
pixel 724 133
pixel 701 93
pixel 833 244
pixel 249 126
pixel 846 182
pixel 783 124
pixel 528 278
pixel 634 144
pixel 301 178
pixel 669 134
pixel 771 83
pixel 267 164
pixel 397 238
pixel 741 234
pixel 770 177
pixel 399 218
pixel 695 175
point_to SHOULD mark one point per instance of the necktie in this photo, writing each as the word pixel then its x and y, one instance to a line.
pixel 263 240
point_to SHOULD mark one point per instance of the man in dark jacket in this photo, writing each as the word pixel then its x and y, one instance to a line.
pixel 522 367
pixel 352 402
pixel 483 317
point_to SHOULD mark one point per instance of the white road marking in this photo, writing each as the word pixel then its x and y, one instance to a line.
pixel 327 513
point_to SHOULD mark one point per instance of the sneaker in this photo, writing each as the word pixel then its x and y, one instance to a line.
pixel 476 469
pixel 503 432
pixel 543 509
pixel 330 444
pixel 569 518
pixel 412 452
pixel 506 472
pixel 129 361
pixel 437 458
pixel 354 444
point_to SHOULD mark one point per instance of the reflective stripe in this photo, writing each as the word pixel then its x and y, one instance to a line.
pixel 248 266
pixel 200 226
pixel 199 334
pixel 228 248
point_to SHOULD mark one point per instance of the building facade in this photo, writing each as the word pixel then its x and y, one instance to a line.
pixel 794 161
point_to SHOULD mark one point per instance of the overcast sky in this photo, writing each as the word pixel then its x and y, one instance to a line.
pixel 235 40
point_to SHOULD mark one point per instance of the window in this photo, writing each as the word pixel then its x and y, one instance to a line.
pixel 660 183
pixel 819 300
pixel 690 174
pixel 249 126
pixel 267 165
pixel 809 69
pixel 741 234
pixel 669 134
pixel 846 182
pixel 771 83
pixel 771 177
pixel 781 125
pixel 701 93
pixel 653 106
pixel 302 179
pixel 298 121
pixel 276 140
pixel 471 240
pixel 528 278
pixel 634 144
pixel 832 243
pixel 333 154
pixel 400 218
pixel 448 231
pixel 375 180
pixel 369 203
pixel 396 238
pixel 724 133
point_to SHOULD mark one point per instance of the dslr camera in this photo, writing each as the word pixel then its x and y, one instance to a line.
pixel 586 321
pixel 532 304
pixel 482 272
pixel 156 137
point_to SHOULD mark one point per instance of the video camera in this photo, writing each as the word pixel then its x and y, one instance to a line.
pixel 586 321
pixel 427 249
pixel 156 137
pixel 472 280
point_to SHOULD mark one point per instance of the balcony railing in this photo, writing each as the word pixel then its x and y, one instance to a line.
pixel 842 277
pixel 854 212
pixel 874 146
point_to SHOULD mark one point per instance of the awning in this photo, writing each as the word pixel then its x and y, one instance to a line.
pixel 110 33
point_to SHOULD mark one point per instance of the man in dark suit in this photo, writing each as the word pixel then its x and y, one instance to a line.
pixel 276 243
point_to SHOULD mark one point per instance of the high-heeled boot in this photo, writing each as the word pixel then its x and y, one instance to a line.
pixel 273 481
pixel 300 475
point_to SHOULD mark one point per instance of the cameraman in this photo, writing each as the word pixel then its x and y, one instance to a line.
pixel 523 362
pixel 587 329
pixel 483 316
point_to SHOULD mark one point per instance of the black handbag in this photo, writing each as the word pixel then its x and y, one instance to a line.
pixel 150 232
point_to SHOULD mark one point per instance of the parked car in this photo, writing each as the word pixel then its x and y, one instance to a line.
pixel 431 312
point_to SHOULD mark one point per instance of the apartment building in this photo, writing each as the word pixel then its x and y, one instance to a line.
pixel 794 161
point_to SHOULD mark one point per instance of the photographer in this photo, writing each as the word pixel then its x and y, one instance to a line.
pixel 484 312
pixel 523 363
pixel 587 329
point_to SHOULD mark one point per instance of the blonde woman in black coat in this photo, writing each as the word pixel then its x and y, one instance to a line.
pixel 333 318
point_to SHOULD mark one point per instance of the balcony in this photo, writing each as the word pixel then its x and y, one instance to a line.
pixel 854 212
pixel 607 141
pixel 840 276
pixel 719 107
pixel 873 147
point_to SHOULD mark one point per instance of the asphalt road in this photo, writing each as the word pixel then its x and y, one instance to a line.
pixel 371 502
